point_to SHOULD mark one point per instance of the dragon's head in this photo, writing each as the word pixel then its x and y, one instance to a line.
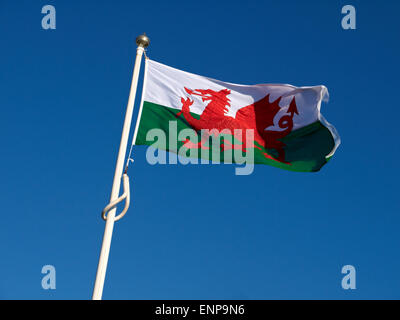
pixel 220 97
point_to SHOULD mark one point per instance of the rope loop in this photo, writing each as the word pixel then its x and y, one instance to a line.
pixel 125 196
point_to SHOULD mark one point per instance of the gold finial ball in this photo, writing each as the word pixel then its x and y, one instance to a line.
pixel 143 41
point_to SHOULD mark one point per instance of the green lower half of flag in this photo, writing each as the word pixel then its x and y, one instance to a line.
pixel 305 150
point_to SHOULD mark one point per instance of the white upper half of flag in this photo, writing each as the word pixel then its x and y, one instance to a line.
pixel 165 86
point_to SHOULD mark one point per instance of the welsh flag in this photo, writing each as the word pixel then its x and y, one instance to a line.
pixel 279 124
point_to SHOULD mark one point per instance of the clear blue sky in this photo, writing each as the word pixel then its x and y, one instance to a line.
pixel 196 232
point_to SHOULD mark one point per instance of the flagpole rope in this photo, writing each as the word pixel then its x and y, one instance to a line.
pixel 125 196
pixel 130 159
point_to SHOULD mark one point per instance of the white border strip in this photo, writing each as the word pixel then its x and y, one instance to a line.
pixel 141 102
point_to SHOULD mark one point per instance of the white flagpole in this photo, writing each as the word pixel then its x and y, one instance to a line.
pixel 142 41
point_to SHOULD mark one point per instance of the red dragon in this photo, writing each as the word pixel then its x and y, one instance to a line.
pixel 257 116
